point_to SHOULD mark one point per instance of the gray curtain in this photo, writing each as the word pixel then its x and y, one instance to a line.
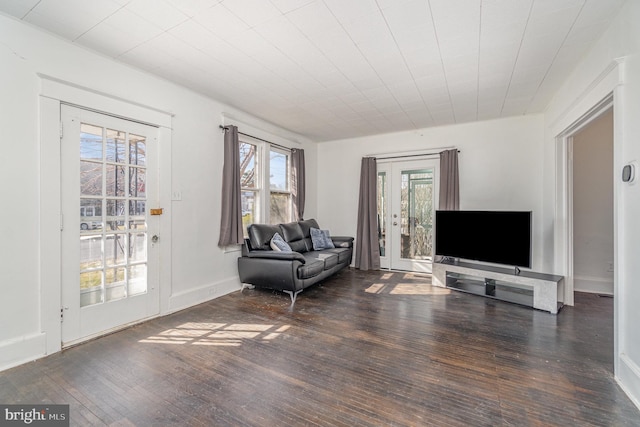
pixel 298 182
pixel 231 210
pixel 449 181
pixel 367 244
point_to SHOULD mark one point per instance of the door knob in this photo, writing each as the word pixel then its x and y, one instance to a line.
pixel 395 223
pixel 155 238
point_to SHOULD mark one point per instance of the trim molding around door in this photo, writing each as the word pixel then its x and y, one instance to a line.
pixel 53 93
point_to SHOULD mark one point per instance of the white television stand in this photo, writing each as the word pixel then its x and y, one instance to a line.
pixel 538 290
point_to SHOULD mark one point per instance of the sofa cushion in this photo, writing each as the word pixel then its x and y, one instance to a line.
pixel 260 235
pixel 278 244
pixel 291 231
pixel 344 254
pixel 306 226
pixel 321 239
pixel 310 269
pixel 330 260
pixel 292 234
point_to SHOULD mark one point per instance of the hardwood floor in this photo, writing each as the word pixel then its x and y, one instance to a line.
pixel 362 349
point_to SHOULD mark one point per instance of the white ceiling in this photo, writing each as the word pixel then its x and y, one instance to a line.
pixel 332 69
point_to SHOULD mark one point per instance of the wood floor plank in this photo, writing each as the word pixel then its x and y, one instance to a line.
pixel 361 349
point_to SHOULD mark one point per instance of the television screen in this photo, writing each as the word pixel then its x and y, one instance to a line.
pixel 500 237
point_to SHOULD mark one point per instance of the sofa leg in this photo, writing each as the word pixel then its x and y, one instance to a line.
pixel 293 295
pixel 246 285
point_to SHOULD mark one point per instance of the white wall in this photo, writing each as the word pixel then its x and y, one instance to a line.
pixel 593 206
pixel 612 66
pixel 500 165
pixel 199 270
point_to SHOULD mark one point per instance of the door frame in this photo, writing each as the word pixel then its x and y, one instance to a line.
pixel 390 166
pixel 53 93
pixel 564 210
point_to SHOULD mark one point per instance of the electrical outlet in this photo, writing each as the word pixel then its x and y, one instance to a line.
pixel 176 196
pixel 610 267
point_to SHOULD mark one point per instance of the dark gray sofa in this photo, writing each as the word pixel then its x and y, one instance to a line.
pixel 290 272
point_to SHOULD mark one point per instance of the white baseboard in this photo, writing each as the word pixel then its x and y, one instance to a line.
pixel 628 377
pixel 595 285
pixel 186 299
pixel 25 349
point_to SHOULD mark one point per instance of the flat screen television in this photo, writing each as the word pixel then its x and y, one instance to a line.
pixel 500 237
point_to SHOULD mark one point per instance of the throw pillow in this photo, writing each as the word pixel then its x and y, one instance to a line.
pixel 321 239
pixel 278 244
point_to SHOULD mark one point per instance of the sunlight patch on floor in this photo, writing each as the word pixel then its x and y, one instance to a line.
pixel 418 289
pixel 217 334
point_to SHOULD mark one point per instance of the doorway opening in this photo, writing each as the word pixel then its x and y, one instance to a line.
pixel 407 198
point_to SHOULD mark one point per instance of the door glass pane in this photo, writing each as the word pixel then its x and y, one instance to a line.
pixel 116 146
pixel 115 180
pixel 91 288
pixel 382 211
pixel 90 178
pixel 115 284
pixel 113 251
pixel 90 214
pixel 416 219
pixel 137 182
pixel 137 150
pixel 90 252
pixel 137 279
pixel 137 247
pixel 90 142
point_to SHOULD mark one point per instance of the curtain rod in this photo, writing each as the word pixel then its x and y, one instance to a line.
pixel 407 155
pixel 259 139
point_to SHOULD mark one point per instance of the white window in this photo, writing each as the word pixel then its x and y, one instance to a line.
pixel 265 183
pixel 279 187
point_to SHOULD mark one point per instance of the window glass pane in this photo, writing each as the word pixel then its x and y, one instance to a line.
pixel 249 205
pixel 280 208
pixel 137 150
pixel 137 182
pixel 278 171
pixel 115 180
pixel 90 178
pixel 248 165
pixel 90 142
pixel 116 148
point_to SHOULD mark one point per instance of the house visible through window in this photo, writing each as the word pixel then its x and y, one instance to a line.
pixel 265 183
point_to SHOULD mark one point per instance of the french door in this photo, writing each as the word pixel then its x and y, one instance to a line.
pixel 109 180
pixel 407 198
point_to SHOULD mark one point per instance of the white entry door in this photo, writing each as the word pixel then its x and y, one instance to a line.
pixel 109 181
pixel 407 198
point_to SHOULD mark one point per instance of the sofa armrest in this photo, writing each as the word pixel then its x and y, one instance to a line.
pixel 342 241
pixel 282 256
